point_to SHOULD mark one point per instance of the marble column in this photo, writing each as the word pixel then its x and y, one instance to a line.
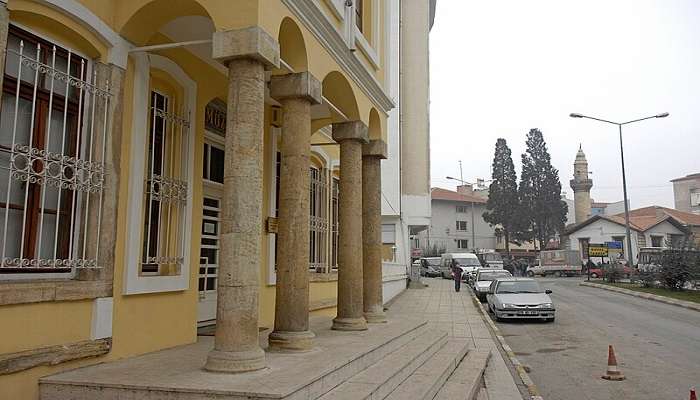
pixel 351 136
pixel 296 92
pixel 246 53
pixel 372 154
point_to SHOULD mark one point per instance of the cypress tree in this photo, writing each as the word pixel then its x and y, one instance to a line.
pixel 502 204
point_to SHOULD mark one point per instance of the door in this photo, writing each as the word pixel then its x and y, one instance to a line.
pixel 209 259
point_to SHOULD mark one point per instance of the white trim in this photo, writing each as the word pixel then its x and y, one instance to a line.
pixel 133 282
pixel 102 311
pixel 366 48
pixel 275 133
pixel 316 21
pixel 118 46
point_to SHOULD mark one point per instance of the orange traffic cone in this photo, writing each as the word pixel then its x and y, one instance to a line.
pixel 613 374
pixel 692 394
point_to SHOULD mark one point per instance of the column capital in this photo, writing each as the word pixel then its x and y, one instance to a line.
pixel 351 130
pixel 375 148
pixel 300 85
pixel 252 42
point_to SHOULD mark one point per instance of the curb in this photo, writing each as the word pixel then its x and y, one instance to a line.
pixel 519 368
pixel 680 303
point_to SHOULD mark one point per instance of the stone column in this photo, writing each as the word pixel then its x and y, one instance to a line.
pixel 296 92
pixel 246 53
pixel 351 136
pixel 372 154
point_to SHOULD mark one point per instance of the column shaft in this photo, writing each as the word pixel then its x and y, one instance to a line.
pixel 350 308
pixel 372 239
pixel 236 347
pixel 291 330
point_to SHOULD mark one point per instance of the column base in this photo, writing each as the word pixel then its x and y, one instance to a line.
pixel 349 324
pixel 235 361
pixel 287 341
pixel 375 317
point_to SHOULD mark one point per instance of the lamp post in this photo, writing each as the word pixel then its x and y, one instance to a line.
pixel 472 203
pixel 624 180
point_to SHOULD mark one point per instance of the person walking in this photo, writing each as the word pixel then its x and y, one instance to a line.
pixel 456 275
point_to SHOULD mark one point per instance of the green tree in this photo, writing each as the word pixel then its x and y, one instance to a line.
pixel 502 204
pixel 542 211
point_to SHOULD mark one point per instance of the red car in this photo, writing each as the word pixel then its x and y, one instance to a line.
pixel 598 272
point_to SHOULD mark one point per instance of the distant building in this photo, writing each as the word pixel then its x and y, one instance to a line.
pixel 686 193
pixel 457 224
pixel 569 208
pixel 600 208
pixel 650 227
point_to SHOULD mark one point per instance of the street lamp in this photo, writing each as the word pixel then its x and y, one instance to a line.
pixel 624 180
pixel 472 207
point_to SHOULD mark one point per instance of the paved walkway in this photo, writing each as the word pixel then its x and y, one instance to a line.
pixel 456 313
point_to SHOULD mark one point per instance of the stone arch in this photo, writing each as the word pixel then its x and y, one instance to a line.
pixel 338 91
pixel 375 125
pixel 292 45
pixel 319 157
pixel 144 22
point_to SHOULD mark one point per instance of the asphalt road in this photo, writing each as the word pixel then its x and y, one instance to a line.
pixel 657 345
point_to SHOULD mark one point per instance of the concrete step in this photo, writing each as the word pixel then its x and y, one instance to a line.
pixel 380 379
pixel 467 380
pixel 427 380
pixel 178 373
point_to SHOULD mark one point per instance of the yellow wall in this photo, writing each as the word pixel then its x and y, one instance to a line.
pixel 149 322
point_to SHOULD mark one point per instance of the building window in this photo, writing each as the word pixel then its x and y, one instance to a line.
pixel 213 159
pixel 335 190
pixel 359 14
pixel 462 209
pixel 318 221
pixel 462 243
pixel 165 196
pixel 657 241
pixel 695 198
pixel 583 245
pixel 388 234
pixel 461 226
pixel 51 151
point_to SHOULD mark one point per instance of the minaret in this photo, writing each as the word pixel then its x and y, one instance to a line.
pixel 581 185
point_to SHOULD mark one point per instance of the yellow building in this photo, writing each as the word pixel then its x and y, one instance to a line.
pixel 123 226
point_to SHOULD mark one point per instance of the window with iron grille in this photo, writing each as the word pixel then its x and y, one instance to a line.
pixel 165 194
pixel 462 243
pixel 334 222
pixel 52 143
pixel 318 221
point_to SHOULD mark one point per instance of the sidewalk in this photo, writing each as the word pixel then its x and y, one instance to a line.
pixel 456 313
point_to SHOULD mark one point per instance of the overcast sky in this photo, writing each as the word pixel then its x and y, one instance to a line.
pixel 500 68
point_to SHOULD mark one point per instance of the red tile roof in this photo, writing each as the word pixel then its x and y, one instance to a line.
pixel 449 195
pixel 683 217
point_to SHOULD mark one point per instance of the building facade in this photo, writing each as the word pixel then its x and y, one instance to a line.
pixel 457 224
pixel 686 193
pixel 168 165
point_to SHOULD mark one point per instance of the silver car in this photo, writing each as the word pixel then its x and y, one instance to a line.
pixel 483 280
pixel 517 298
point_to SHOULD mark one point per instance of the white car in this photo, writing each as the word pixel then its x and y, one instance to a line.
pixel 517 298
pixel 483 280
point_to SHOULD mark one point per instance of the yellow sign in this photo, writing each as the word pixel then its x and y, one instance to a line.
pixel 597 250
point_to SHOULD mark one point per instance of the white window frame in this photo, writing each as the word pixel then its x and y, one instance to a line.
pixel 134 282
pixel 460 222
pixel 275 133
pixel 388 229
pixel 462 209
pixel 460 241
pixel 695 198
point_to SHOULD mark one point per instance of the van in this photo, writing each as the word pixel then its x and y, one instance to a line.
pixel 469 263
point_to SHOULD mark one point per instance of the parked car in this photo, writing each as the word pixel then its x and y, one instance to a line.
pixel 517 298
pixel 483 280
pixel 490 259
pixel 467 261
pixel 599 272
pixel 430 267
